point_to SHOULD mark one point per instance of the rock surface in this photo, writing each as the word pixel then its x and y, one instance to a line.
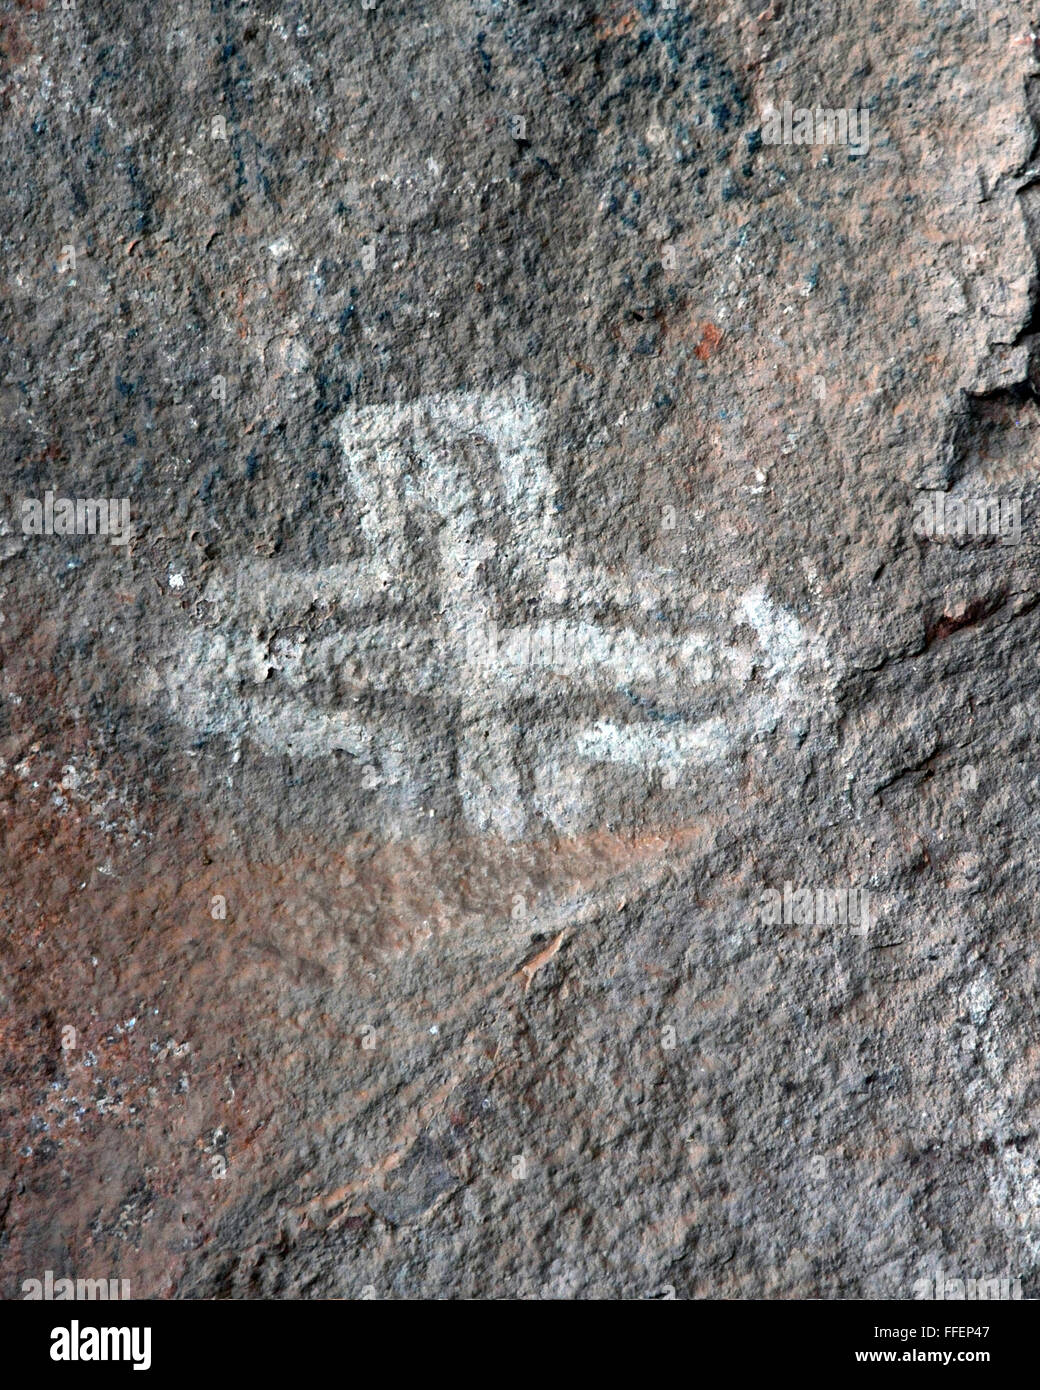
pixel 523 460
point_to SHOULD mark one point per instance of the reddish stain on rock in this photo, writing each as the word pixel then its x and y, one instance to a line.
pixel 711 337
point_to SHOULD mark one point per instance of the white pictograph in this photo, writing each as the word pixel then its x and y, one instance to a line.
pixel 469 643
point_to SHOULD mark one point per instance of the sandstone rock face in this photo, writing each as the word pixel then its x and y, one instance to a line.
pixel 541 799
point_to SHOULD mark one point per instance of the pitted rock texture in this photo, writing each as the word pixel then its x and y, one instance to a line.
pixel 523 460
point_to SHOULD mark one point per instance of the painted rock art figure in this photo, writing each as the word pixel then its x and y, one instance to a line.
pixel 469 643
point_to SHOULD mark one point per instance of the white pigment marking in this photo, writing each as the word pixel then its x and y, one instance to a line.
pixel 246 679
